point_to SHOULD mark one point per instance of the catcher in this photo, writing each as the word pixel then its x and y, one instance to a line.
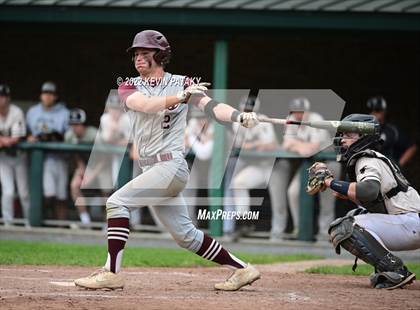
pixel 388 217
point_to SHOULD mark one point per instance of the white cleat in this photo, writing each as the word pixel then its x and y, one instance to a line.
pixel 240 278
pixel 101 279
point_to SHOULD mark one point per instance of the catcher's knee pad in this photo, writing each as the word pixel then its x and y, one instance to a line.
pixel 359 242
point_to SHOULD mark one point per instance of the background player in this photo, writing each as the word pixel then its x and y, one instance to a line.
pixel 389 219
pixel 155 103
pixel 48 121
pixel 13 163
pixel 396 144
pixel 251 173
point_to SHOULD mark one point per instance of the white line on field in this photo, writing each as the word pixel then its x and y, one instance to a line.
pixel 24 269
pixel 62 283
pixel 32 278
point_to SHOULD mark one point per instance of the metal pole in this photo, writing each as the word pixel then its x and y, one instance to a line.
pixel 306 206
pixel 36 191
pixel 217 161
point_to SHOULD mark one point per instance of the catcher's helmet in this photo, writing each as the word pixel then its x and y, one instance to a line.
pixel 77 116
pixel 153 39
pixel 249 104
pixel 300 104
pixel 377 103
pixel 365 141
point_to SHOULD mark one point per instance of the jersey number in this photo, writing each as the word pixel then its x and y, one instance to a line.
pixel 166 121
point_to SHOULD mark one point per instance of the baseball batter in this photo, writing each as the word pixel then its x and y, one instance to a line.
pixel 155 102
pixel 13 163
pixel 388 219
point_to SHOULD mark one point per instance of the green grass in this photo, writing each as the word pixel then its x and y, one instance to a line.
pixel 43 253
pixel 362 270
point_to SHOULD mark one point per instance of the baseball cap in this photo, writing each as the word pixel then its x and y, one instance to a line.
pixel 4 90
pixel 49 87
pixel 301 104
pixel 77 116
pixel 113 101
pixel 377 103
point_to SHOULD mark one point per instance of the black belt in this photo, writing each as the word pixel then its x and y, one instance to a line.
pixel 148 161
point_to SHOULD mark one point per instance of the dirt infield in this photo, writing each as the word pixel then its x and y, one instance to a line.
pixel 282 287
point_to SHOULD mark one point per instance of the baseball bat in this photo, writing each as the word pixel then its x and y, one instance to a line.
pixel 340 126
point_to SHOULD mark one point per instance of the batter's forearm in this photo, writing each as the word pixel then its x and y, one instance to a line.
pixel 223 112
pixel 153 104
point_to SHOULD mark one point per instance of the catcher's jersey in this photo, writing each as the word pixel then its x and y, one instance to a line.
pixel 163 131
pixel 13 125
pixel 368 168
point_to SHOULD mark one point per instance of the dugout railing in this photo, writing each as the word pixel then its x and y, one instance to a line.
pixel 37 151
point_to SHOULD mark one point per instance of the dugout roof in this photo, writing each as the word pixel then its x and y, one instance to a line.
pixel 326 14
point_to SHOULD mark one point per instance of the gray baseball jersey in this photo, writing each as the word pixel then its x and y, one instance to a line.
pixel 163 131
pixel 375 169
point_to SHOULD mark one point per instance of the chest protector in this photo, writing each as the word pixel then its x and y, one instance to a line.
pixel 378 205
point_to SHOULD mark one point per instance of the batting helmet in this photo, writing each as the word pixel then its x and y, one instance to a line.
pixel 77 116
pixel 153 39
pixel 301 104
pixel 249 104
pixel 377 103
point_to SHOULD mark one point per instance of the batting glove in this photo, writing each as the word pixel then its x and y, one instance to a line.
pixel 195 89
pixel 248 119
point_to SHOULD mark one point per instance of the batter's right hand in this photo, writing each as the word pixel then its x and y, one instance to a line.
pixel 195 89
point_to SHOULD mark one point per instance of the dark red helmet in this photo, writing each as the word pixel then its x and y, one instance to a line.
pixel 153 39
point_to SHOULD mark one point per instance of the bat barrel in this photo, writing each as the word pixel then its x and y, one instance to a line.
pixel 359 127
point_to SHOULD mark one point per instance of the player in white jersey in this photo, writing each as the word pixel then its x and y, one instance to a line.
pixel 13 164
pixel 305 141
pixel 388 219
pixel 252 173
pixel 156 103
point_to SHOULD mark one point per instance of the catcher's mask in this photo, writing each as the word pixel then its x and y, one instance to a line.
pixel 365 141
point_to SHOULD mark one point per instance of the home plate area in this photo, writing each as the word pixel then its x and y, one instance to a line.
pixel 282 286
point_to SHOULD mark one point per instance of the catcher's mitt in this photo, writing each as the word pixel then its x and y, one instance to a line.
pixel 317 174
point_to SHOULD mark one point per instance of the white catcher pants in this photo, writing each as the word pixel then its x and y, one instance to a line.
pixel 400 232
pixel 160 185
pixel 13 168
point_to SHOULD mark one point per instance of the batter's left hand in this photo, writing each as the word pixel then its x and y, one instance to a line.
pixel 248 119
pixel 194 89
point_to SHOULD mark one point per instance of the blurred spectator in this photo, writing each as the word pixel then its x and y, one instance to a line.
pixel 305 141
pixel 115 128
pixel 79 133
pixel 13 163
pixel 198 141
pixel 396 144
pixel 47 122
pixel 252 173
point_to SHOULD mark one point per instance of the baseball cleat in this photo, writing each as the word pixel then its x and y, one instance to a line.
pixel 239 278
pixel 388 285
pixel 101 279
